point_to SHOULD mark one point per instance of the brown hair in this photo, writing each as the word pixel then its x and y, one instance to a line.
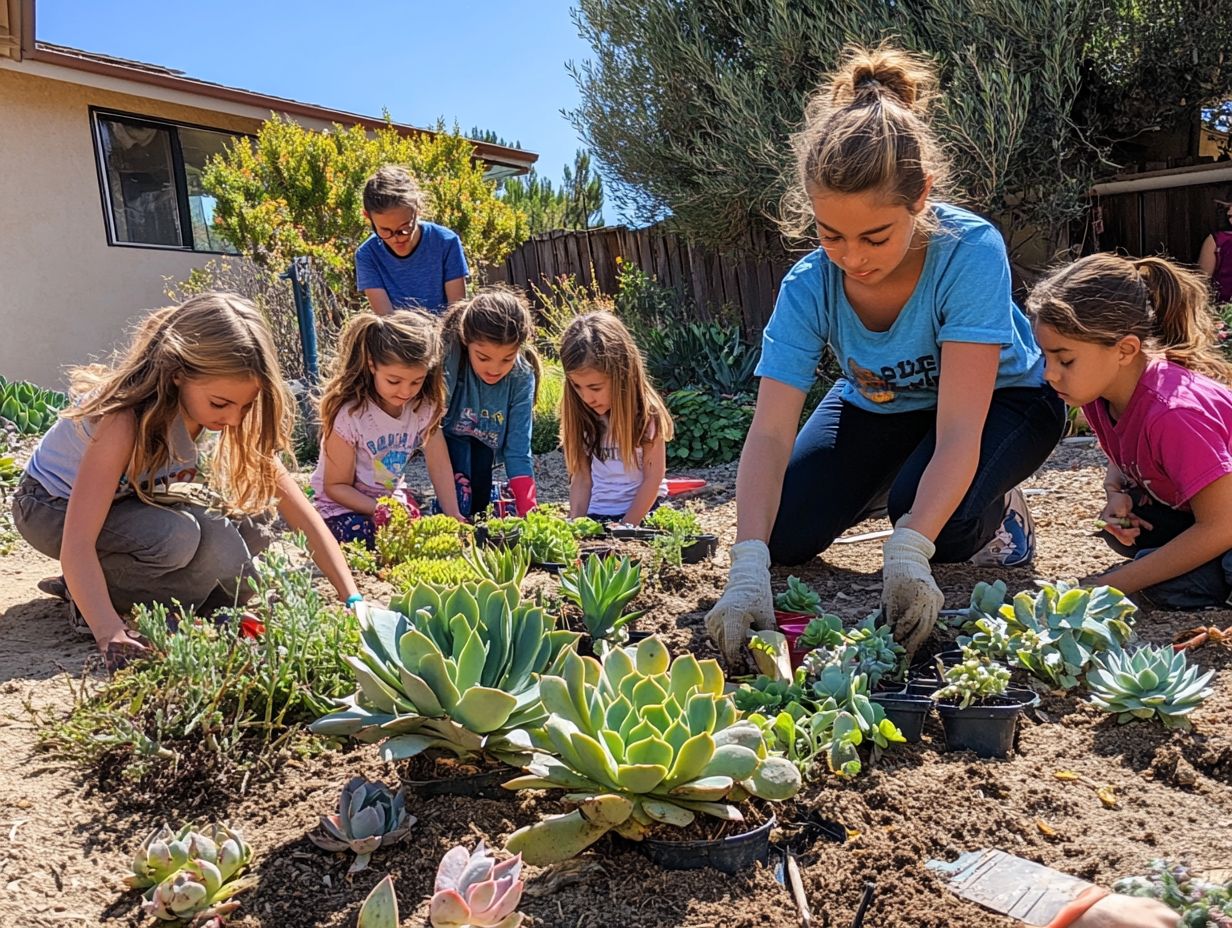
pixel 1104 297
pixel 599 341
pixel 497 314
pixel 409 337
pixel 208 335
pixel 392 187
pixel 866 130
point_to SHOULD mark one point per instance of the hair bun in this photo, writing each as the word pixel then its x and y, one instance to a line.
pixel 868 75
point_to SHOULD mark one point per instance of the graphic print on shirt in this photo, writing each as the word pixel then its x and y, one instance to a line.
pixel 485 425
pixel 906 376
pixel 390 454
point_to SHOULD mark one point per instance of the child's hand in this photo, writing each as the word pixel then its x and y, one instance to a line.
pixel 1119 520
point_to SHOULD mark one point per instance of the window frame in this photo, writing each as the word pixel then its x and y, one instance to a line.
pixel 179 176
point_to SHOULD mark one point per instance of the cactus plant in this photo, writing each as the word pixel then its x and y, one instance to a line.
pixel 642 740
pixel 798 597
pixel 191 875
pixel 602 587
pixel 369 816
pixel 975 679
pixel 380 908
pixel 474 891
pixel 1146 683
pixel 455 669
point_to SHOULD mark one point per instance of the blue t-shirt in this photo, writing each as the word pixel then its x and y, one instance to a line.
pixel 963 295
pixel 499 414
pixel 419 278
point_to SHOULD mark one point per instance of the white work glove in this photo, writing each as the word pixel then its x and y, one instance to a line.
pixel 746 602
pixel 910 598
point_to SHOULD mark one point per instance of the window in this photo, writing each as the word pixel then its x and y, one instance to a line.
pixel 150 173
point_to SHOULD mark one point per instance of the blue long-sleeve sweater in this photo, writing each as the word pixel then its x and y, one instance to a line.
pixel 500 415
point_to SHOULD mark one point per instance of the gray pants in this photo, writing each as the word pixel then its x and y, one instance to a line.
pixel 153 554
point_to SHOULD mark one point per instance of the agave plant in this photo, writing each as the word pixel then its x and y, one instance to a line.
pixel 602 587
pixel 369 816
pixel 474 891
pixel 453 670
pixel 1148 682
pixel 643 740
pixel 500 565
pixel 380 908
pixel 191 875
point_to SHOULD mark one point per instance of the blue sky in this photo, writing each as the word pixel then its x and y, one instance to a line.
pixel 477 62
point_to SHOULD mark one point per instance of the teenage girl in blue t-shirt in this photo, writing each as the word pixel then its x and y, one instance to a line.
pixel 942 408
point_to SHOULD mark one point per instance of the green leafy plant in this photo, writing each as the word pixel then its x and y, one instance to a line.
pixel 359 557
pixel 709 429
pixel 767 694
pixel 452 670
pixel 799 597
pixel 500 565
pixel 674 521
pixel 446 571
pixel 1148 683
pixel 1200 902
pixel 370 816
pixel 642 741
pixel 399 537
pixel 472 890
pixel 548 538
pixel 31 409
pixel 602 587
pixel 191 876
pixel 974 680
pixel 584 527
pixel 706 356
pixel 825 631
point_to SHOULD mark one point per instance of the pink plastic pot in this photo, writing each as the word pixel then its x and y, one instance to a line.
pixel 792 625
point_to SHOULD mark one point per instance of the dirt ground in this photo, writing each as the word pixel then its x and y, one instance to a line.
pixel 64 842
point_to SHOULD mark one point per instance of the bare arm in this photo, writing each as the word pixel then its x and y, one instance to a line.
pixel 968 374
pixel 440 471
pixel 1208 538
pixel 339 478
pixel 1208 257
pixel 763 460
pixel 102 465
pixel 378 299
pixel 580 485
pixel 300 515
pixel 455 290
pixel 654 468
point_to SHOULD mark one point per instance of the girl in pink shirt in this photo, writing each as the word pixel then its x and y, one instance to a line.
pixel 1133 342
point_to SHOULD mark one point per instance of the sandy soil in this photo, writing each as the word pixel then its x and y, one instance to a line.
pixel 64 839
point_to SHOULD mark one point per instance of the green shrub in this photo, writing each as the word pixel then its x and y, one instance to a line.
pixel 709 429
pixel 645 305
pixel 708 356
pixel 545 434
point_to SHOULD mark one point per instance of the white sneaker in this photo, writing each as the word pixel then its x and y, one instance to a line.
pixel 1013 545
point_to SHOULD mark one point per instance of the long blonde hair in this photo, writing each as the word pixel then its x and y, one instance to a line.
pixel 866 129
pixel 496 314
pixel 600 342
pixel 208 335
pixel 409 337
pixel 1104 297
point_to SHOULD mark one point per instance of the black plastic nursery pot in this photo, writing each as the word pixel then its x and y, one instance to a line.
pixel 483 785
pixel 987 728
pixel 633 533
pixel 498 540
pixel 907 711
pixel 702 547
pixel 732 854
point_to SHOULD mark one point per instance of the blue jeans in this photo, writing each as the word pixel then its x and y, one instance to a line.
pixel 845 459
pixel 1209 584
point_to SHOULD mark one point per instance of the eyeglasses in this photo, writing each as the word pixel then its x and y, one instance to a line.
pixel 401 234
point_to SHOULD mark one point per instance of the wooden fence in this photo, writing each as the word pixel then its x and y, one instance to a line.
pixel 747 281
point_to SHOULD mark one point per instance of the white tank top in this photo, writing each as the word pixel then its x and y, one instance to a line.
pixel 612 487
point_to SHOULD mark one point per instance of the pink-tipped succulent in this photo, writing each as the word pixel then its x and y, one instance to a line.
pixel 474 891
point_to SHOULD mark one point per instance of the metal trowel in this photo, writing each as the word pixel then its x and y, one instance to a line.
pixel 1021 889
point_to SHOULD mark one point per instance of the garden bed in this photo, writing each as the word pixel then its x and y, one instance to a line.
pixel 65 839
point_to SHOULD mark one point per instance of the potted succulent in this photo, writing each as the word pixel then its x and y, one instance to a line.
pixel 794 609
pixel 602 587
pixel 695 545
pixel 645 744
pixel 976 711
pixel 549 539
pixel 453 673
pixel 500 532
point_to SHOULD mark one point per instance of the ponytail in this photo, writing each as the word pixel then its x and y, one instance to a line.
pixel 1185 329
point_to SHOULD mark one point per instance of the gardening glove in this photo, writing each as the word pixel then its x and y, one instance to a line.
pixel 746 602
pixel 523 490
pixel 910 598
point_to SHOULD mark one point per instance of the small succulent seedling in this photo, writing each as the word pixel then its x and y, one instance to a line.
pixel 973 681
pixel 1146 683
pixel 369 816
pixel 799 597
pixel 472 890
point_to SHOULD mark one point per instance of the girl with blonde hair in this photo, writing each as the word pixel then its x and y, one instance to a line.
pixel 614 427
pixel 382 403
pixel 1134 343
pixel 107 491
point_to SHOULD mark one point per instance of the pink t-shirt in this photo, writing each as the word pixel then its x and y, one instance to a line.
pixel 383 448
pixel 1175 436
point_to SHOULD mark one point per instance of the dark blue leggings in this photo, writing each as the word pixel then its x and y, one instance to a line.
pixel 846 458
pixel 472 463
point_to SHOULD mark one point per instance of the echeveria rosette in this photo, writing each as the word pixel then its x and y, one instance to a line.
pixel 370 816
pixel 472 890
pixel 642 741
pixel 1147 683
pixel 198 873
pixel 456 670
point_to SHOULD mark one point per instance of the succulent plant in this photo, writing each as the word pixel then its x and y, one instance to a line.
pixel 584 527
pixel 448 571
pixel 1148 682
pixel 1200 902
pixel 369 816
pixel 500 565
pixel 548 538
pixel 602 587
pixel 642 740
pixel 674 521
pixel 798 597
pixel 986 600
pixel 453 670
pixel 402 537
pixel 868 649
pixel 380 908
pixel 31 410
pixel 474 891
pixel 191 875
pixel 975 679
pixel 989 636
pixel 825 631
